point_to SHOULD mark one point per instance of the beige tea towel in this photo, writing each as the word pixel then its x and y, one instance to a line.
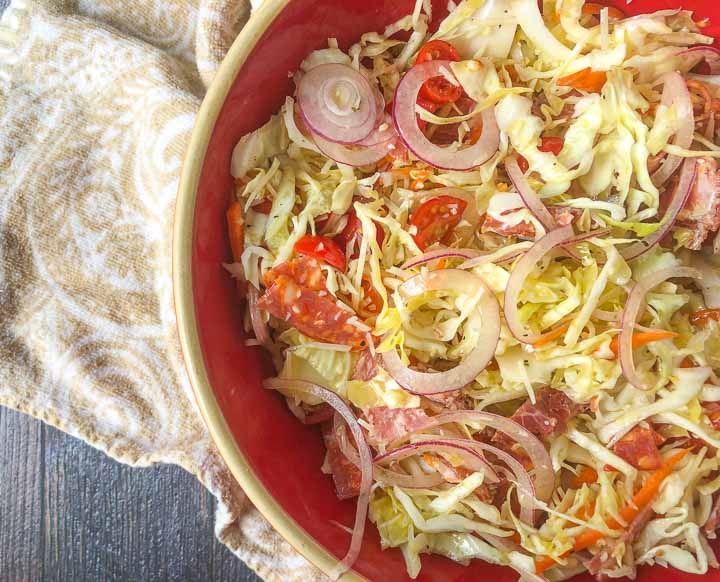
pixel 98 98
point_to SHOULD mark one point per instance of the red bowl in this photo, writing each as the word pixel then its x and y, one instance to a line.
pixel 274 457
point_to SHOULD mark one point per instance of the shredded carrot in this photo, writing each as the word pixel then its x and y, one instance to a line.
pixel 236 230
pixel 642 338
pixel 441 264
pixel 585 80
pixel 584 476
pixel 586 511
pixel 640 500
pixel 593 9
pixel 703 91
pixel 475 134
pixel 704 315
pixel 417 185
pixel 551 335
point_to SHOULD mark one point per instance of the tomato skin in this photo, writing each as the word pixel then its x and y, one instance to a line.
pixel 323 248
pixel 430 106
pixel 436 218
pixel 439 90
pixel 704 315
pixel 352 230
pixel 553 145
pixel 523 164
pixel 593 9
pixel 437 50
pixel 371 303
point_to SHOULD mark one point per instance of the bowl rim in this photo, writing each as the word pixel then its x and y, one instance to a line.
pixel 260 19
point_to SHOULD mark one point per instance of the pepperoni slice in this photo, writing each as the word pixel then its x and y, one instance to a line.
pixel 304 270
pixel 346 476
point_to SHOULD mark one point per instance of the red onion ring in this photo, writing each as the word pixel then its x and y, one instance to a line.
pixel 407 127
pixel 365 460
pixel 259 326
pixel 677 203
pixel 381 134
pixel 317 97
pixel 385 476
pixel 709 54
pixel 473 460
pixel 603 315
pixel 522 269
pixel 362 156
pixel 526 489
pixel 499 256
pixel 528 195
pixel 675 92
pixel 630 313
pixel 439 254
pixel 486 319
pixel 543 474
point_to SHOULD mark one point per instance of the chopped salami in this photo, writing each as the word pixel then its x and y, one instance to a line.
pixel 448 472
pixel 346 476
pixel 639 447
pixel 713 520
pixel 389 424
pixel 296 293
pixel 702 210
pixel 366 367
pixel 524 229
pixel 304 270
pixel 549 415
pixel 605 559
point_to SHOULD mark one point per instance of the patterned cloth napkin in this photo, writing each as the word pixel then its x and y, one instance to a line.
pixel 98 98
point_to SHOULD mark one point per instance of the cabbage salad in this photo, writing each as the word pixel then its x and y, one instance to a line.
pixel 482 251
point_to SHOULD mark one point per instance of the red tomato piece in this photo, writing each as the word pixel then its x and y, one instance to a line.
pixel 352 232
pixel 323 248
pixel 552 144
pixel 523 164
pixel 428 106
pixel 440 90
pixel 639 447
pixel 435 219
pixel 437 50
pixel 371 304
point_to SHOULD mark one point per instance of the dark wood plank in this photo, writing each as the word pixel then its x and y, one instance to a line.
pixel 69 513
pixel 21 511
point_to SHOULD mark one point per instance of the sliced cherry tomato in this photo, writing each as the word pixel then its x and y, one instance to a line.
pixel 430 106
pixel 552 144
pixel 593 9
pixel 372 302
pixel 263 207
pixel 437 50
pixel 523 164
pixel 440 90
pixel 436 218
pixel 353 230
pixel 323 248
pixel 585 80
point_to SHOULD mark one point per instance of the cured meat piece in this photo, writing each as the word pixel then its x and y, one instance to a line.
pixel 639 447
pixel 702 210
pixel 366 367
pixel 346 476
pixel 304 270
pixel 524 229
pixel 389 424
pixel 549 415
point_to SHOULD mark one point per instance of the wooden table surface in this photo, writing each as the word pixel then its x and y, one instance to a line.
pixel 68 513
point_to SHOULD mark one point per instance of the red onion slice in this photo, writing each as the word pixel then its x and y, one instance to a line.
pixel 440 254
pixel 709 54
pixel 499 256
pixel 526 489
pixel 259 326
pixel 360 156
pixel 520 273
pixel 528 195
pixel 629 316
pixel 473 460
pixel 677 203
pixel 385 476
pixel 485 319
pixel 365 460
pixel 337 103
pixel 381 134
pixel 675 92
pixel 407 127
pixel 543 474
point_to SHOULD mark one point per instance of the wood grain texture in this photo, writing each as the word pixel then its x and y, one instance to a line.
pixel 70 514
